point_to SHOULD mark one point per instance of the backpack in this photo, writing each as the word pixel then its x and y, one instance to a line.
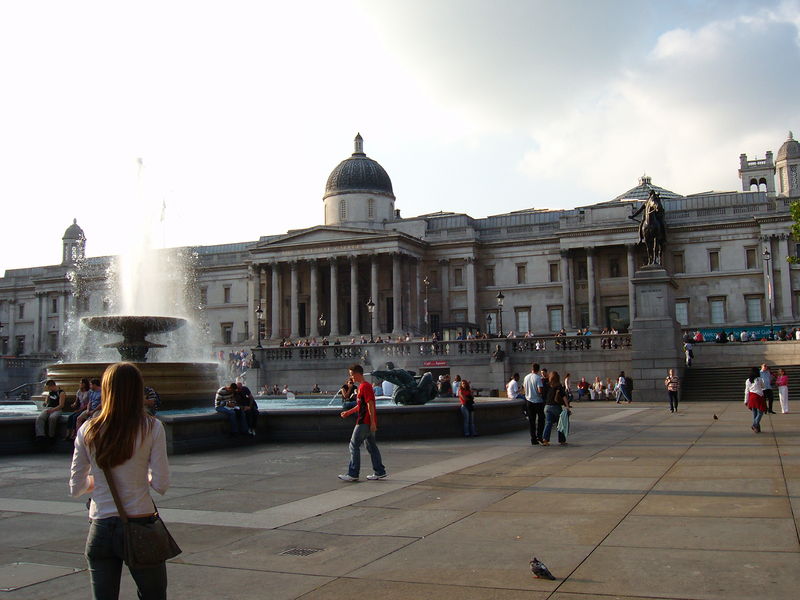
pixel 629 383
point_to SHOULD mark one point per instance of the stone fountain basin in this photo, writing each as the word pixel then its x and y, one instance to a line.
pixel 133 326
pixel 179 384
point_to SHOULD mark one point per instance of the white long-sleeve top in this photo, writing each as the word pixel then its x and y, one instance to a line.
pixel 756 386
pixel 147 468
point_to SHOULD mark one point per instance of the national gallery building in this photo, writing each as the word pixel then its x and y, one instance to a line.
pixel 368 271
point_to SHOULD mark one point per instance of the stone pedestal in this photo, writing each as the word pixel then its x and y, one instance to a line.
pixel 655 334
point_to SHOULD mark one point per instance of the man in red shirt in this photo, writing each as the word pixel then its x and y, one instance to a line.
pixel 366 426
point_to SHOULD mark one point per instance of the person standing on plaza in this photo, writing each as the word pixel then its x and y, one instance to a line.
pixel 768 379
pixel 754 397
pixel 122 440
pixel 555 402
pixel 782 382
pixel 672 383
pixel 47 421
pixel 533 387
pixel 364 431
pixel 467 408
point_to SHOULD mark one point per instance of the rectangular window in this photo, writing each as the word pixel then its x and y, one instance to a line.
pixel 20 311
pixel 583 315
pixel 717 310
pixel 489 276
pixel 677 262
pixel 458 277
pixel 203 296
pixel 554 319
pixel 371 208
pixel 753 305
pixel 750 258
pixel 434 279
pixel 458 316
pixel 523 319
pixel 4 346
pixel 613 267
pixel 53 306
pixel 226 294
pixel 521 274
pixel 580 271
pixel 106 304
pixel 82 303
pixel 555 271
pixel 52 341
pixel 20 349
pixel 713 260
pixel 247 330
pixel 227 332
pixel 682 312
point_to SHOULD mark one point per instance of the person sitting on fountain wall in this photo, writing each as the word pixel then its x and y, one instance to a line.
pixel 348 394
pixel 315 389
pixel 95 398
pixel 152 401
pixel 53 407
pixel 247 403
pixel 225 404
pixel 80 404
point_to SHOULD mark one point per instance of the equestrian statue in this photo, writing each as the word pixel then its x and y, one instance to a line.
pixel 652 228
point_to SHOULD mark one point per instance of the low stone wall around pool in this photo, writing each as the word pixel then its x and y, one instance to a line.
pixel 192 433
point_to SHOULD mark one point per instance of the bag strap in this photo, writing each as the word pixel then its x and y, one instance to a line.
pixel 110 479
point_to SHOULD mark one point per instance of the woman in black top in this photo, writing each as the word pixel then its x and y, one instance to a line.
pixel 555 401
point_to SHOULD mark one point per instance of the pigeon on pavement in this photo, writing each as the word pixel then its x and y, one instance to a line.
pixel 540 570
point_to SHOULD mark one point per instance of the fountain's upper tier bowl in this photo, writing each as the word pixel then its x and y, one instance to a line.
pixel 133 326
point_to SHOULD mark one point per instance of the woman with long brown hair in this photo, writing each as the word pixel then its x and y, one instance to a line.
pixel 555 402
pixel 131 445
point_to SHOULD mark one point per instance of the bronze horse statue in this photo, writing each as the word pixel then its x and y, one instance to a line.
pixel 652 228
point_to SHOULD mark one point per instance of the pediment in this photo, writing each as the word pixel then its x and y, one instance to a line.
pixel 324 236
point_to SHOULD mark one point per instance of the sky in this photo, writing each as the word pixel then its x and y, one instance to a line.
pixel 239 110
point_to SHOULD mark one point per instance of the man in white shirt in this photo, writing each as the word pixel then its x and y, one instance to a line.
pixel 512 388
pixel 534 389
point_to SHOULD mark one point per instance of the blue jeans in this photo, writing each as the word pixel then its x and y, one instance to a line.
pixel 104 555
pixel 551 414
pixel 362 433
pixel 469 421
pixel 236 417
pixel 757 414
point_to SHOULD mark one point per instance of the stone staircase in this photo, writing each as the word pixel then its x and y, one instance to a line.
pixel 727 383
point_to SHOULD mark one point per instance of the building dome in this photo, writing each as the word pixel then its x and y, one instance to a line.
pixel 359 174
pixel 74 232
pixel 790 149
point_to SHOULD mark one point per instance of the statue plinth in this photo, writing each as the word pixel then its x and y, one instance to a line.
pixel 655 334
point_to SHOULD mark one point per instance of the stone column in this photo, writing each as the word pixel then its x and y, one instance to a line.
pixel 570 308
pixel 62 312
pixel 445 291
pixel 294 313
pixel 373 292
pixel 252 272
pixel 397 293
pixel 566 290
pixel 472 296
pixel 313 301
pixel 334 316
pixel 37 326
pixel 12 326
pixel 786 281
pixel 631 249
pixel 354 329
pixel 276 303
pixel 591 288
pixel 415 304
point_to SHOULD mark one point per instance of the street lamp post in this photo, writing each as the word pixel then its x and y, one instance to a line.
pixel 427 282
pixel 259 320
pixel 370 309
pixel 767 257
pixel 500 299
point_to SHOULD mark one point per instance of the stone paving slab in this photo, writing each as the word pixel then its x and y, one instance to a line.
pixel 641 504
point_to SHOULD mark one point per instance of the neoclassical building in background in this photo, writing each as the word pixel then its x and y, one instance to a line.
pixel 444 271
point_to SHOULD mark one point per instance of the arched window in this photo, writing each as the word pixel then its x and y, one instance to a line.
pixel 762 185
pixel 342 210
pixel 753 185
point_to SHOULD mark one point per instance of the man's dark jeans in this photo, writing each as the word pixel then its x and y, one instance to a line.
pixel 535 420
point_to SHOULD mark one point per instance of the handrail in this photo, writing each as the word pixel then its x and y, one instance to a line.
pixel 19 387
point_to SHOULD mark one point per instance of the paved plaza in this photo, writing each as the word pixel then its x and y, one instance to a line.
pixel 641 504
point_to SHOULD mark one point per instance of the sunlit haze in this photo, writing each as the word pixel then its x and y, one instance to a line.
pixel 240 110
